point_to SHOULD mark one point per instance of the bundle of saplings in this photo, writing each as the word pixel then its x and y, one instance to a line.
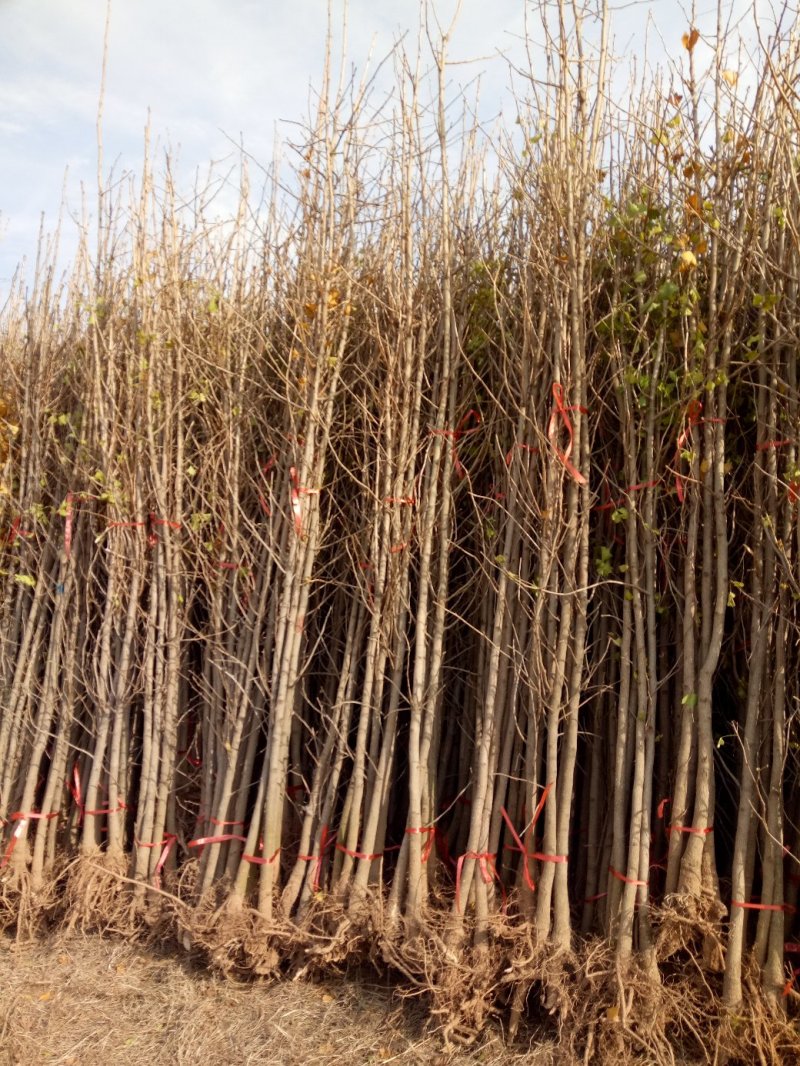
pixel 406 569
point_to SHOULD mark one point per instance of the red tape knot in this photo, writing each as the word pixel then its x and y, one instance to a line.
pixel 456 434
pixel 488 870
pixel 22 818
pixel 694 412
pixel 326 839
pixel 430 831
pixel 168 844
pixel 560 412
pixel 298 490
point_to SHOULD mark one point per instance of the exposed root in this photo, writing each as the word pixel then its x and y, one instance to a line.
pixel 581 1003
pixel 26 910
pixel 97 897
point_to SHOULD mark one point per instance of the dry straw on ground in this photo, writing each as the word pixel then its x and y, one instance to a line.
pixel 95 1002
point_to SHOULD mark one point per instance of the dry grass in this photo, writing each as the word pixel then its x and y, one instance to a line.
pixel 91 1001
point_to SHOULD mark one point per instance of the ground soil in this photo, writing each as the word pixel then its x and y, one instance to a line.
pixel 98 1002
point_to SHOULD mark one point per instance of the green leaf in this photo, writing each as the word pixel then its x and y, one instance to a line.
pixel 198 520
pixel 689 700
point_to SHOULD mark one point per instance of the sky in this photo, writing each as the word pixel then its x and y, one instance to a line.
pixel 209 74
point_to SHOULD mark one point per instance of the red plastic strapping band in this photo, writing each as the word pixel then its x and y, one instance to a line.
pixel 298 490
pixel 222 838
pixel 409 501
pixel 259 860
pixel 265 469
pixel 790 949
pixel 540 806
pixel 787 908
pixel 358 854
pixel 18 831
pixel 169 843
pixel 626 880
pixel 68 526
pixel 561 412
pixel 16 530
pixel 540 855
pixel 22 818
pixel 704 831
pixel 221 824
pixel 430 830
pixel 767 444
pixel 488 870
pixel 521 848
pixel 121 806
pixel 325 841
pixel 13 532
pixel 74 787
pixel 693 413
pixel 530 448
pixel 456 435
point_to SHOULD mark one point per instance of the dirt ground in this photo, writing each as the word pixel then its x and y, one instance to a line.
pixel 96 1002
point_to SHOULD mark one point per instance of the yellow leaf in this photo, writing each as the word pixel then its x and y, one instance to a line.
pixel 327 998
pixel 310 310
pixel 688 260
pixel 45 997
pixel 690 39
pixel 730 77
pixel 612 1014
